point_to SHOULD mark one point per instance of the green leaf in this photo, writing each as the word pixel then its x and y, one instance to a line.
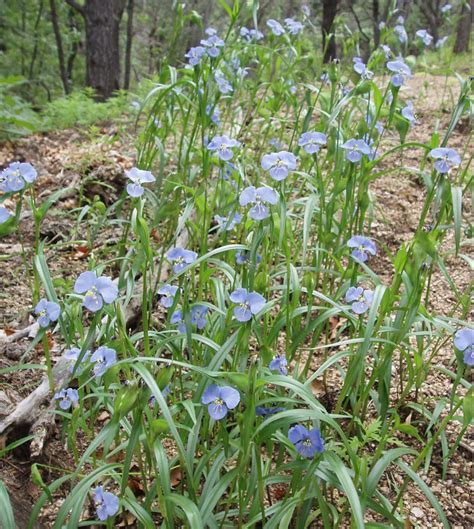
pixel 347 487
pixel 189 508
pixel 426 491
pixel 7 518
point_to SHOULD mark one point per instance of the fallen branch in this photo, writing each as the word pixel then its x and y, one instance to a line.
pixel 28 412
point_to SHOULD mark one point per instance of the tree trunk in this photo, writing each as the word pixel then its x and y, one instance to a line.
pixel 102 21
pixel 329 42
pixel 128 46
pixel 376 20
pixel 59 46
pixel 35 38
pixel 463 32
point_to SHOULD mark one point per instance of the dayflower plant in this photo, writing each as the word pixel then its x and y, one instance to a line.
pixel 307 442
pixel 47 311
pixel 259 197
pixel 97 290
pixel 400 70
pixel 280 364
pixel 72 355
pixel 244 258
pixel 16 176
pixel 228 223
pixel 194 55
pixel 276 27
pixel 4 214
pixel 464 342
pixel 249 304
pixel 220 400
pixel 180 258
pixel 138 177
pixel 312 141
pixel 407 113
pixel 223 146
pixel 263 411
pixel 360 299
pixel 424 36
pixel 362 247
pixel 355 149
pixel 167 293
pixel 103 358
pixel 279 164
pixel 67 398
pixel 106 503
pixel 445 159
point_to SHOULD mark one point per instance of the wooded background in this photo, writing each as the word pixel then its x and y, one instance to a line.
pixel 61 45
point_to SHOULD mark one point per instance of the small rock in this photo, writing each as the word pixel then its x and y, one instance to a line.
pixel 417 512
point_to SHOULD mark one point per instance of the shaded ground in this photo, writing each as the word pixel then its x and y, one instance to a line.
pixel 76 159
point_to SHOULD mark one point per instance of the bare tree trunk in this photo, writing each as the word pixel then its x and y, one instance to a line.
pixel 59 46
pixel 73 27
pixel 330 8
pixel 463 32
pixel 102 21
pixel 376 19
pixel 35 38
pixel 128 46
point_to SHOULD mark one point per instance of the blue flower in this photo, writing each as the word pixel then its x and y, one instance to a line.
pixel 363 246
pixel 424 36
pixel 359 65
pixel 215 116
pixel 220 400
pixel 177 319
pixel 259 197
pixel 249 303
pixel 387 51
pixel 228 223
pixel 445 159
pixel 223 84
pixel 280 364
pixel 356 149
pixel 138 177
pixel 361 299
pixel 446 8
pixel 441 42
pixel 244 258
pixel 106 503
pixel 103 357
pixel 307 442
pixel 401 70
pixel 464 342
pixel 16 176
pixel 47 311
pixel 407 113
pixel 98 290
pixel 4 214
pixel 223 145
pixel 213 43
pixel 73 355
pixel 312 141
pixel 401 32
pixel 263 411
pixel 167 293
pixel 276 27
pixel 199 316
pixel 293 26
pixel 180 257
pixel 195 54
pixel 250 34
pixel 68 397
pixel 279 164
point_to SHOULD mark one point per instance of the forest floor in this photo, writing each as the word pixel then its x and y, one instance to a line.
pixel 85 160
